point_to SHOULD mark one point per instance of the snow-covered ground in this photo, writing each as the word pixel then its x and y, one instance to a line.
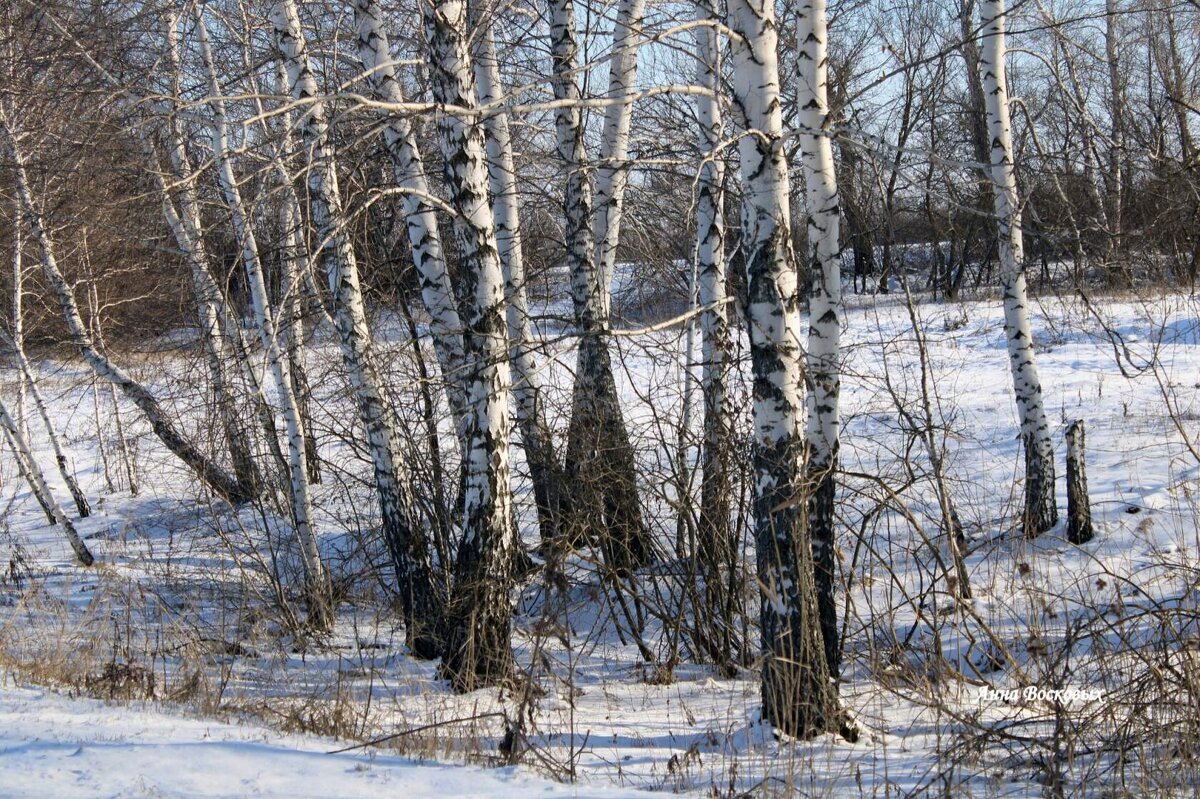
pixel 58 747
pixel 179 592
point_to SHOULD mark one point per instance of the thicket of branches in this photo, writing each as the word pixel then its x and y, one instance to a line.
pixel 234 180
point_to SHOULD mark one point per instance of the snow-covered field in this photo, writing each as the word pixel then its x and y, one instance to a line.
pixel 57 747
pixel 178 594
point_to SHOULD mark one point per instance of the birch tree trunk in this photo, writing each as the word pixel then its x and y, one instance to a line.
pixel 23 469
pixel 220 481
pixel 37 483
pixel 293 257
pixel 544 469
pixel 600 466
pixel 18 322
pixel 718 546
pixel 405 536
pixel 445 326
pixel 1116 106
pixel 612 171
pixel 188 231
pixel 825 309
pixel 296 270
pixel 798 697
pixel 26 377
pixel 321 603
pixel 1040 513
pixel 478 648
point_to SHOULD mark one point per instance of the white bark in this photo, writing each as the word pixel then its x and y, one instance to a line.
pixel 718 546
pixel 211 309
pixel 402 531
pixel 824 335
pixel 445 326
pixel 37 483
pixel 612 172
pixel 1116 106
pixel 600 466
pixel 478 651
pixel 1040 510
pixel 315 573
pixel 798 696
pixel 527 390
pixel 18 323
pixel 825 304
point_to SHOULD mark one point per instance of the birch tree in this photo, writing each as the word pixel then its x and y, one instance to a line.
pixel 825 308
pixel 600 466
pixel 544 469
pixel 317 580
pixel 186 226
pixel 18 320
pixel 798 697
pixel 1040 512
pixel 27 380
pixel 37 483
pixel 405 536
pixel 718 548
pixel 26 377
pixel 478 649
pixel 213 475
pixel 445 326
pixel 612 170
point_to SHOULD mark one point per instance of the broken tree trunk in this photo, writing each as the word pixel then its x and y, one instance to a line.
pixel 1079 507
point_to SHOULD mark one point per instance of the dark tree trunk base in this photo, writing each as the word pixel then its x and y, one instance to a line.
pixel 821 527
pixel 1079 508
pixel 600 470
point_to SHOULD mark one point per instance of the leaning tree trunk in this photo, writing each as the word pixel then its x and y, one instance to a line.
pixel 23 469
pixel 544 470
pixel 216 478
pixel 187 228
pixel 1040 513
pixel 798 697
pixel 402 530
pixel 717 545
pixel 612 171
pixel 26 377
pixel 600 465
pixel 37 483
pixel 825 309
pixel 478 647
pixel 320 596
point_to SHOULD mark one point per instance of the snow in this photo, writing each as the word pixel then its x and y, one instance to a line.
pixel 58 747
pixel 179 588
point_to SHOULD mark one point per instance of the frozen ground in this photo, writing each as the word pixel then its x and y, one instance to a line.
pixel 179 590
pixel 58 747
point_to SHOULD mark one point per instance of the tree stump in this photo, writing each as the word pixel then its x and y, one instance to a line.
pixel 1079 509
